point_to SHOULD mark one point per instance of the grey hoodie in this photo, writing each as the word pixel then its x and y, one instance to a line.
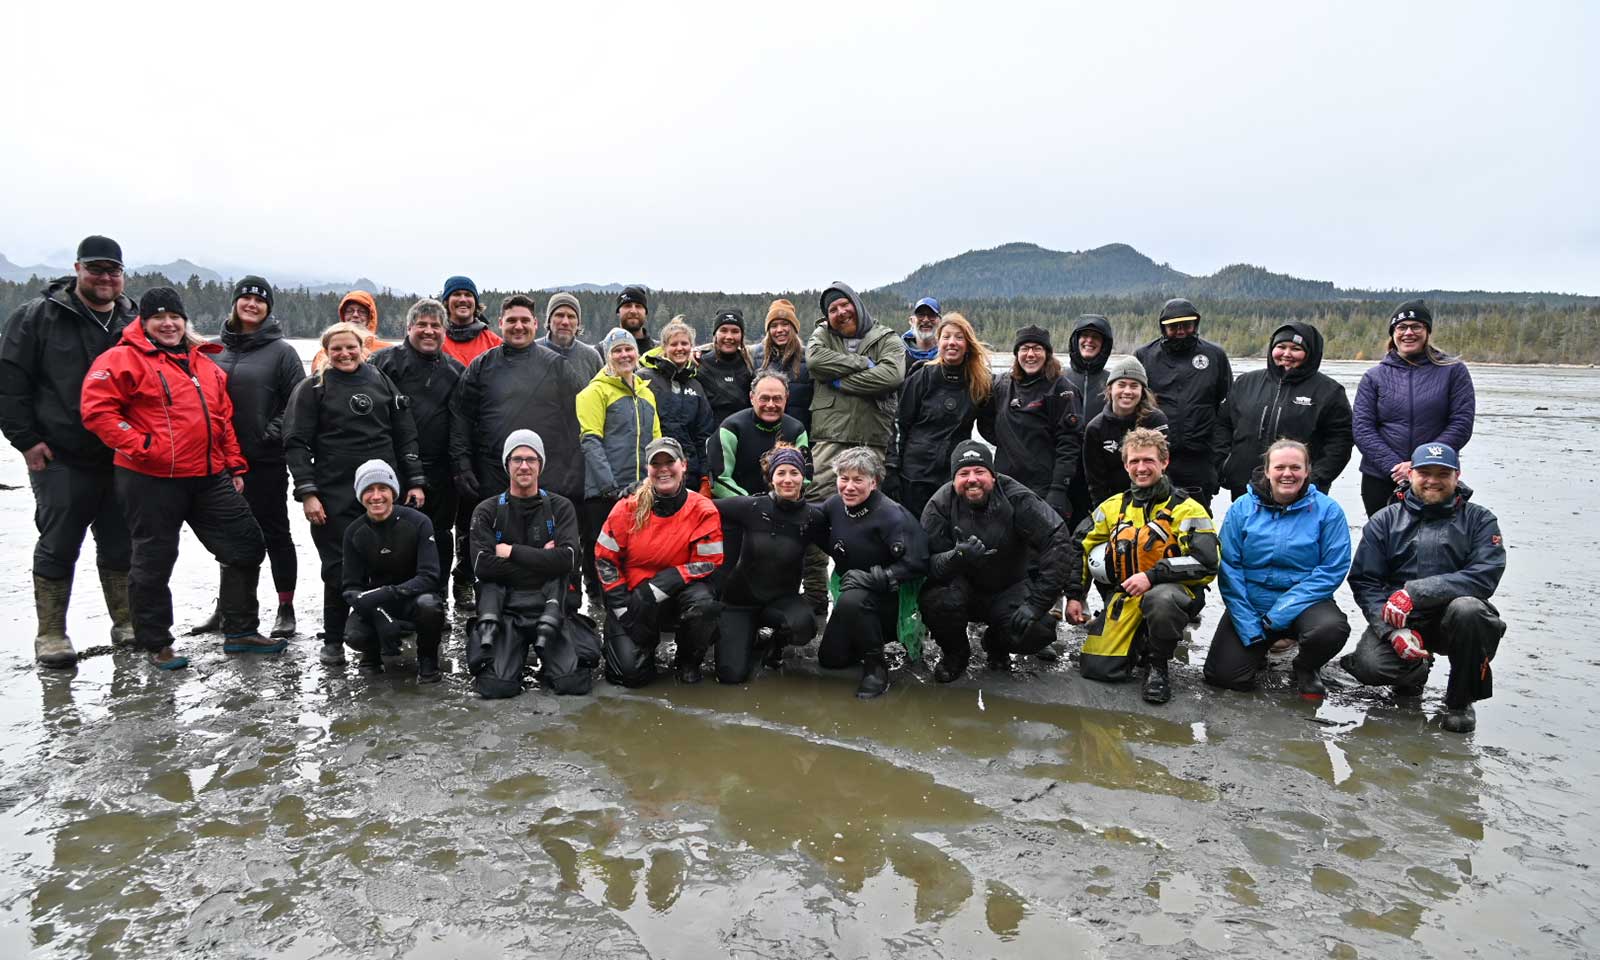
pixel 856 390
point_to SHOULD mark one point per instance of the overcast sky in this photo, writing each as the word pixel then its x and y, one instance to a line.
pixel 752 147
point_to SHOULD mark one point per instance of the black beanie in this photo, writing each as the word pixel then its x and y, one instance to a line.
pixel 254 285
pixel 157 299
pixel 971 453
pixel 1032 334
pixel 1411 310
pixel 1286 334
pixel 633 293
pixel 729 316
pixel 829 295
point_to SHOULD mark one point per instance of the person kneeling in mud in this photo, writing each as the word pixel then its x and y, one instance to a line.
pixel 525 553
pixel 1285 549
pixel 983 528
pixel 762 589
pixel 653 556
pixel 879 552
pixel 1157 549
pixel 1423 575
pixel 391 577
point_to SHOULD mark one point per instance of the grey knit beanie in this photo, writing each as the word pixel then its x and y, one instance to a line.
pixel 563 300
pixel 1126 368
pixel 375 471
pixel 522 438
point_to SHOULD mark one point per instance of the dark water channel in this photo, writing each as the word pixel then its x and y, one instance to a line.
pixel 279 808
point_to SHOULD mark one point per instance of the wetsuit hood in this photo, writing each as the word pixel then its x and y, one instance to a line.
pixel 1310 338
pixel 1102 326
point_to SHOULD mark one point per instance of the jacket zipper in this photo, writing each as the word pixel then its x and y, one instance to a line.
pixel 172 443
pixel 205 411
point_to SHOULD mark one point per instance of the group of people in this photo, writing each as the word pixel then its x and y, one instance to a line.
pixel 746 497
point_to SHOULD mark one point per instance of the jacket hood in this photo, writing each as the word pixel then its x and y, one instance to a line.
pixel 1102 326
pixel 915 352
pixel 269 331
pixel 1415 504
pixel 1311 339
pixel 134 336
pixel 462 333
pixel 863 319
pixel 366 300
pixel 654 360
pixel 63 291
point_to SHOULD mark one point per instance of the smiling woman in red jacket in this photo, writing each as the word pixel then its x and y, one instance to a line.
pixel 162 405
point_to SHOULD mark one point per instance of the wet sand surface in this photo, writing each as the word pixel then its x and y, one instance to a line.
pixel 275 807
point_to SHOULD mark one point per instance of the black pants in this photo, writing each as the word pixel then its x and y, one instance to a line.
pixel 1467 632
pixel 68 502
pixel 1196 475
pixel 458 528
pixel 425 612
pixel 792 623
pixel 158 507
pixel 329 541
pixel 861 624
pixel 592 513
pixel 443 507
pixel 630 648
pixel 1321 630
pixel 947 608
pixel 1376 493
pixel 266 491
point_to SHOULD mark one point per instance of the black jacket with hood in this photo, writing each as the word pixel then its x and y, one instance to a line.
pixel 936 413
pixel 1190 378
pixel 428 380
pixel 1435 553
pixel 1088 377
pixel 1016 524
pixel 47 348
pixel 1302 404
pixel 263 370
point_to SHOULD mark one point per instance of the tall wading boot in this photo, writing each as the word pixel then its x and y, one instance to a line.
pixel 283 624
pixel 465 597
pixel 213 623
pixel 874 675
pixel 241 615
pixel 114 584
pixel 1309 683
pixel 50 645
pixel 1157 685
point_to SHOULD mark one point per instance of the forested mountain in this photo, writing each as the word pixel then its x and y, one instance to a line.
pixel 1118 270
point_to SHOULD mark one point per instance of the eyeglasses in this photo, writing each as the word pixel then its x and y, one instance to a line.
pixel 524 461
pixel 1410 328
pixel 103 269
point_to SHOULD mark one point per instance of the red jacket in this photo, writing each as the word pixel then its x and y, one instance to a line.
pixel 688 542
pixel 160 420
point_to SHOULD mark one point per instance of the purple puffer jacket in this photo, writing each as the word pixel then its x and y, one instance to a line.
pixel 1401 405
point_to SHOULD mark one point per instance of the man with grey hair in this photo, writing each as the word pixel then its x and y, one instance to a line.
pixel 427 375
pixel 563 318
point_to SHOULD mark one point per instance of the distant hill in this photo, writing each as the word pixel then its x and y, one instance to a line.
pixel 585 288
pixel 1028 270
pixel 179 271
pixel 15 274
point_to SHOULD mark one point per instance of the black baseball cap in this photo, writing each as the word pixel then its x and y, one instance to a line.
pixel 98 249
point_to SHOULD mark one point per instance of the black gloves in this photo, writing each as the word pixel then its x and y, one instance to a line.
pixel 874 580
pixel 368 601
pixel 972 550
pixel 1022 618
pixel 389 632
pixel 467 485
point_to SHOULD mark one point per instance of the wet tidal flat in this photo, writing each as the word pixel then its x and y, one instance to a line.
pixel 279 808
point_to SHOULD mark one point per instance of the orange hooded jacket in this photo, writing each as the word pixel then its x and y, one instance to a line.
pixel 372 343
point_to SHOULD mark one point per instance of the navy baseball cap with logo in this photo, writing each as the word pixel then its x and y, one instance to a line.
pixel 1436 455
pixel 928 303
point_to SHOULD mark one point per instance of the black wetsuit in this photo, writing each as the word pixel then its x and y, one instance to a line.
pixel 762 588
pixel 878 533
pixel 391 576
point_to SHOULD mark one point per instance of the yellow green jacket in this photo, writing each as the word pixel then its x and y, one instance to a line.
pixel 615 422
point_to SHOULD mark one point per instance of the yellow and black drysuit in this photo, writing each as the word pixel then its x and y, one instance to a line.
pixel 1164 534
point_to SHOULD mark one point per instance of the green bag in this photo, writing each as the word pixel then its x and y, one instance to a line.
pixel 909 628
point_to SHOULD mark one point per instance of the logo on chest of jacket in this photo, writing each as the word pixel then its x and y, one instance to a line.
pixel 949 404
pixel 1110 446
pixel 1201 361
pixel 1302 401
pixel 360 404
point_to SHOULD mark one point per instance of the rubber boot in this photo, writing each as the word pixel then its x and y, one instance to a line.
pixel 953 662
pixel 371 662
pixel 332 654
pixel 1464 720
pixel 428 666
pixel 465 597
pixel 874 676
pixel 50 645
pixel 1157 685
pixel 165 659
pixel 213 623
pixel 114 585
pixel 241 615
pixel 283 625
pixel 1309 683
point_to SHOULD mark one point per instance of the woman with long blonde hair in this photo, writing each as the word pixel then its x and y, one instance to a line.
pixel 938 407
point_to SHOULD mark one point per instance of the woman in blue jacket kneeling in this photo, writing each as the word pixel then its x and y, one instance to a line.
pixel 1285 549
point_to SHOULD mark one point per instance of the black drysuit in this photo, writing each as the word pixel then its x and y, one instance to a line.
pixel 510 388
pixel 391 580
pixel 263 370
pixel 1191 378
pixel 428 381
pixel 334 423
pixel 726 381
pixel 1300 404
pixel 762 587
pixel 1037 429
pixel 989 584
pixel 878 533
pixel 936 413
pixel 529 600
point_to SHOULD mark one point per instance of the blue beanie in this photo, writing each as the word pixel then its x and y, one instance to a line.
pixel 459 283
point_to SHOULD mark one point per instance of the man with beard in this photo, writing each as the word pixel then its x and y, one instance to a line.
pixel 516 386
pixel 725 369
pixel 633 311
pixel 1423 574
pixel 985 531
pixel 468 334
pixel 49 344
pixel 426 373
pixel 922 340
pixel 1191 378
pixel 1288 400
pixel 563 317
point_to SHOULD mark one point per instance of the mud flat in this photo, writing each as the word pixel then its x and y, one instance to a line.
pixel 277 808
